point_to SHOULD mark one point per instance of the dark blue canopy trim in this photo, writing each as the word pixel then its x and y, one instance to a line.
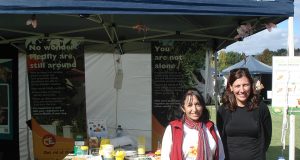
pixel 166 7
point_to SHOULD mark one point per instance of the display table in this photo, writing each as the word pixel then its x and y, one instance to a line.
pixel 82 157
pixel 91 157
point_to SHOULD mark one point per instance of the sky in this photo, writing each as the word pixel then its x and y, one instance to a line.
pixel 276 39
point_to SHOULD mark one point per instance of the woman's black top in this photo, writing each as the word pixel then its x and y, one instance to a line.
pixel 242 132
pixel 242 135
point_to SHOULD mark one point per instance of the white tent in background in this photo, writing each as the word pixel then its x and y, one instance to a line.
pixel 254 66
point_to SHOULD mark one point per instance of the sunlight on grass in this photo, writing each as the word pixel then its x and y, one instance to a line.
pixel 276 146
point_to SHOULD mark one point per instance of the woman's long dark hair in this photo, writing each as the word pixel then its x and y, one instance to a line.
pixel 229 99
pixel 193 91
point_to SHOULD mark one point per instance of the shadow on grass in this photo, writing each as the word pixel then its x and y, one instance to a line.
pixel 275 151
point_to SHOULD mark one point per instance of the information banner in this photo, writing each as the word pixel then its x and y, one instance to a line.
pixel 6 99
pixel 286 84
pixel 174 68
pixel 56 76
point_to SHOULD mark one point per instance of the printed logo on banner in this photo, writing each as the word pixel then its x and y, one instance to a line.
pixel 49 140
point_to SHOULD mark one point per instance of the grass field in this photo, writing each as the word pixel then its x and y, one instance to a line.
pixel 275 149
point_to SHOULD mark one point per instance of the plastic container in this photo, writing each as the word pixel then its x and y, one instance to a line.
pixel 119 131
pixel 103 143
pixel 85 150
pixel 76 148
pixel 141 145
pixel 108 151
pixel 94 151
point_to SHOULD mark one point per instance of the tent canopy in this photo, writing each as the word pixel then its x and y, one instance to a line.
pixel 254 66
pixel 213 22
pixel 186 7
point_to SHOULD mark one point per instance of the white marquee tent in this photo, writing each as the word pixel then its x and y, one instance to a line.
pixel 105 25
pixel 254 66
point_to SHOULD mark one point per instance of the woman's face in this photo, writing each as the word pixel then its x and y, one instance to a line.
pixel 192 108
pixel 241 89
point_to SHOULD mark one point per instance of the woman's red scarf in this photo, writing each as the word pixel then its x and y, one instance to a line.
pixel 203 151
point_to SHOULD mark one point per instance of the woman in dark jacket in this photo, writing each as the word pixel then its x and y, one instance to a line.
pixel 243 121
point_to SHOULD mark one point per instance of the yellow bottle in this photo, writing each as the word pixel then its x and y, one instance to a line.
pixel 141 145
pixel 120 155
pixel 157 152
pixel 104 141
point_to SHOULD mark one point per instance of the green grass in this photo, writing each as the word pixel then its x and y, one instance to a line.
pixel 275 148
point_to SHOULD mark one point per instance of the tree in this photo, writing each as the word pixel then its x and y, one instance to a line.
pixel 297 52
pixel 228 59
pixel 265 57
pixel 279 52
pixel 222 60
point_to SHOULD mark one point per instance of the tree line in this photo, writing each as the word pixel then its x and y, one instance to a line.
pixel 226 59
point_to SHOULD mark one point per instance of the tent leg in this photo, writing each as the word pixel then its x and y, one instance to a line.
pixel 206 77
pixel 292 117
pixel 216 82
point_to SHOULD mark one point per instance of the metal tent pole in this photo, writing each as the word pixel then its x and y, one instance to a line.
pixel 292 117
pixel 216 82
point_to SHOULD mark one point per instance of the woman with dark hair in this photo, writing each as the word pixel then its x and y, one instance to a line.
pixel 194 136
pixel 244 122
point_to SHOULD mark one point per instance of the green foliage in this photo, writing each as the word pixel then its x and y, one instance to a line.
pixel 227 59
pixel 297 52
pixel 194 58
pixel 265 57
pixel 280 52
